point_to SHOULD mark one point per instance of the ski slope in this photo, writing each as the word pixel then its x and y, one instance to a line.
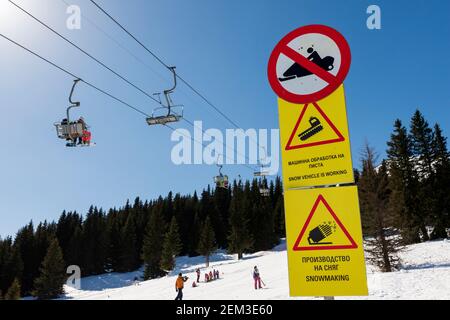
pixel 425 275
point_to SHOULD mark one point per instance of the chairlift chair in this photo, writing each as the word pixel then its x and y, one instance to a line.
pixel 264 192
pixel 171 115
pixel 71 130
pixel 262 172
pixel 221 180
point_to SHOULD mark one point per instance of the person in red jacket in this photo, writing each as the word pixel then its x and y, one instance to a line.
pixel 257 278
pixel 86 137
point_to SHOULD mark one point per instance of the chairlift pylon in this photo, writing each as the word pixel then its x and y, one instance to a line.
pixel 171 115
pixel 71 131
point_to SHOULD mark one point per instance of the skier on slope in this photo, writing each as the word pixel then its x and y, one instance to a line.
pixel 198 274
pixel 179 285
pixel 257 278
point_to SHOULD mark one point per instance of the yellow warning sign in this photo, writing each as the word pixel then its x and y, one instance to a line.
pixel 315 142
pixel 324 242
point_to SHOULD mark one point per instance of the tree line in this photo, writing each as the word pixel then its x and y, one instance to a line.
pixel 151 233
pixel 405 199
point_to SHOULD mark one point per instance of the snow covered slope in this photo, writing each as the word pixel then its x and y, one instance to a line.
pixel 425 275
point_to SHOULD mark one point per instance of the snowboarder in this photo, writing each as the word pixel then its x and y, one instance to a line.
pixel 179 285
pixel 257 278
pixel 198 274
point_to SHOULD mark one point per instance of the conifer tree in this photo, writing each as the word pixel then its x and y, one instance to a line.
pixel 14 291
pixel 441 187
pixel 422 146
pixel 49 284
pixel 24 242
pixel 207 242
pixel 404 184
pixel 239 237
pixel 171 247
pixel 377 223
pixel 128 259
pixel 94 242
pixel 153 241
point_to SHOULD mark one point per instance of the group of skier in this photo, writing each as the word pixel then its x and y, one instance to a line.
pixel 210 276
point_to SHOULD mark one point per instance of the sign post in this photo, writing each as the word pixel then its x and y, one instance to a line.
pixel 323 228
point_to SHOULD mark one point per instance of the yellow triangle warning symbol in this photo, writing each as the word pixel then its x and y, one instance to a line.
pixel 323 230
pixel 313 128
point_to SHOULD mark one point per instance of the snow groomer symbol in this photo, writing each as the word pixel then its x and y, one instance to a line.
pixel 315 127
pixel 320 233
pixel 297 71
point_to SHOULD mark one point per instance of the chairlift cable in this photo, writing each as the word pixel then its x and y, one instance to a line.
pixel 197 92
pixel 74 76
pixel 85 52
pixel 97 88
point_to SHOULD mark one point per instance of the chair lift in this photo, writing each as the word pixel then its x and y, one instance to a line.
pixel 73 130
pixel 221 180
pixel 263 190
pixel 171 116
pixel 262 172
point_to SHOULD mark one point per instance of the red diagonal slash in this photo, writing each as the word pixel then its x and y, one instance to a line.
pixel 310 66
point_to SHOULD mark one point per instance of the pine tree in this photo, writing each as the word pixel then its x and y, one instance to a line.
pixel 128 259
pixel 14 291
pixel 374 199
pixel 171 247
pixel 239 238
pixel 49 284
pixel 441 187
pixel 422 147
pixel 24 242
pixel 94 242
pixel 152 248
pixel 207 242
pixel 404 184
pixel 11 265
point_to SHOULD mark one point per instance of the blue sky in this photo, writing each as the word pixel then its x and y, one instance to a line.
pixel 222 48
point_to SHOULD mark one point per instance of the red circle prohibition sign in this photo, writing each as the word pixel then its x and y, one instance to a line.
pixel 333 81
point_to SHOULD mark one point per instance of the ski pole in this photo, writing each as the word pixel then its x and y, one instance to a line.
pixel 262 282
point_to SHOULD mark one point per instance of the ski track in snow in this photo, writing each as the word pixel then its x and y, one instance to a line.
pixel 425 275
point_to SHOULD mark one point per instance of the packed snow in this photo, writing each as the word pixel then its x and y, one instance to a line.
pixel 425 274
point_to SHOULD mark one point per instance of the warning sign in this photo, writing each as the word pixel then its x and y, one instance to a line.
pixel 308 64
pixel 315 142
pixel 323 230
pixel 324 242
pixel 313 128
